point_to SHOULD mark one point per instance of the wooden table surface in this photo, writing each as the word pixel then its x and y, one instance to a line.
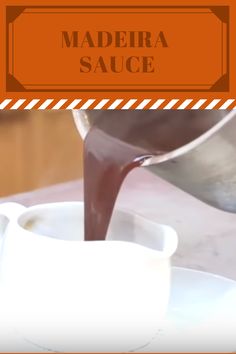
pixel 207 237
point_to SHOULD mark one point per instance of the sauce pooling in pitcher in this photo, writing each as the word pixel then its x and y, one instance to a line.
pixel 121 141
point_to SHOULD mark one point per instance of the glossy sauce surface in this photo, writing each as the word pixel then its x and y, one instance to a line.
pixel 118 142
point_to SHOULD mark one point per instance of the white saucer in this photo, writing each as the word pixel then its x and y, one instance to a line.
pixel 201 318
pixel 201 315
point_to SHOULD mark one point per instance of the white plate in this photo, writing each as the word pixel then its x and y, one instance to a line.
pixel 201 315
pixel 201 318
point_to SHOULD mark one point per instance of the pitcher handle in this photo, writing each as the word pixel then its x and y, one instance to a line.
pixel 9 212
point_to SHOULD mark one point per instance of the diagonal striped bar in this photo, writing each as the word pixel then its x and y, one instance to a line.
pixel 46 103
pixel 213 103
pixel 157 103
pixel 102 103
pixel 143 103
pixel 18 103
pixel 130 103
pixel 185 104
pixel 171 103
pixel 199 103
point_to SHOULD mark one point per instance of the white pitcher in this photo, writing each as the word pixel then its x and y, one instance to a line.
pixel 65 294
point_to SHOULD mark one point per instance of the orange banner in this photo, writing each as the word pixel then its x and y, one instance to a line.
pixel 86 48
pixel 147 50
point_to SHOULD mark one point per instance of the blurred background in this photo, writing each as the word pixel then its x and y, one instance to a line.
pixel 35 152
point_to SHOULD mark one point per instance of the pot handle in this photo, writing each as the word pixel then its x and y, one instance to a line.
pixel 9 212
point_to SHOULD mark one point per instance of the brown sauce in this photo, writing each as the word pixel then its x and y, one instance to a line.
pixel 120 141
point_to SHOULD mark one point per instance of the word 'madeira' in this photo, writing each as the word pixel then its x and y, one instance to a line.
pixel 116 64
pixel 117 39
